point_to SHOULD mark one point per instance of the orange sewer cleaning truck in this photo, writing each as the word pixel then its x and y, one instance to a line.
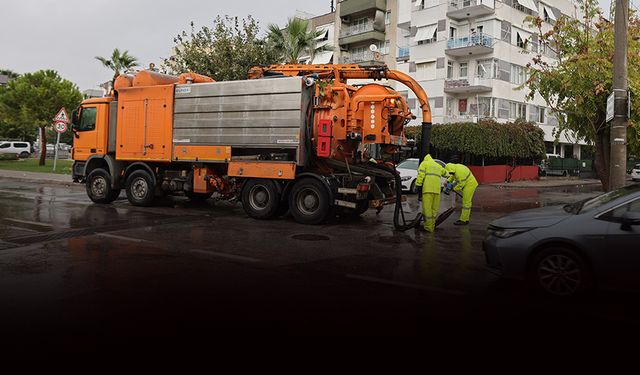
pixel 295 138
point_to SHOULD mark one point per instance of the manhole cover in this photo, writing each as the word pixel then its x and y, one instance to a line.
pixel 310 237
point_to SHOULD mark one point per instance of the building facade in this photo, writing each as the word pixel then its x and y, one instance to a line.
pixel 469 55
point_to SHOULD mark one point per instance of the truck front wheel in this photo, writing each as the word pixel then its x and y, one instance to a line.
pixel 140 188
pixel 309 202
pixel 260 198
pixel 99 188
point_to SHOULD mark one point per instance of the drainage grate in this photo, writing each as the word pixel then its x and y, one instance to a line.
pixel 310 237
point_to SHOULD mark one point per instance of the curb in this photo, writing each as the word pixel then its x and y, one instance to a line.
pixel 32 179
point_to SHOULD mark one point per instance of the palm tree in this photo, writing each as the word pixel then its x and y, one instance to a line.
pixel 119 63
pixel 295 40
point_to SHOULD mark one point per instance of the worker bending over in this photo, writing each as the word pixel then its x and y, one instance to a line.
pixel 428 183
pixel 461 179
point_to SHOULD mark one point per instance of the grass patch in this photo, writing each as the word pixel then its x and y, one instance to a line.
pixel 31 165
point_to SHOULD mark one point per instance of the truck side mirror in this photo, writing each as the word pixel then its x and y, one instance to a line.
pixel 75 117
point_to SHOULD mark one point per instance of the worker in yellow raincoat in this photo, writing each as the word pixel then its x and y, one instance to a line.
pixel 461 179
pixel 429 186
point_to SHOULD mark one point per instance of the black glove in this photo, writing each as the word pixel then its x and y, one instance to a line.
pixel 419 191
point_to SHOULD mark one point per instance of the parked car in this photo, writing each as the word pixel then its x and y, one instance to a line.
pixel 409 172
pixel 23 149
pixel 635 173
pixel 565 250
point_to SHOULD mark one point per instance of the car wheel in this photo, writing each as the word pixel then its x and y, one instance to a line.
pixel 309 202
pixel 260 198
pixel 24 155
pixel 559 272
pixel 413 189
pixel 140 188
pixel 98 187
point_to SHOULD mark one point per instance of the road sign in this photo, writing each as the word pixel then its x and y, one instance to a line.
pixel 62 116
pixel 60 127
pixel 610 106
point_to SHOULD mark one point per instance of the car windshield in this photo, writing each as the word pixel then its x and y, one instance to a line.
pixel 593 203
pixel 409 164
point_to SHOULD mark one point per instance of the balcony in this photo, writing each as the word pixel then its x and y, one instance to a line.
pixel 350 7
pixel 480 44
pixel 361 33
pixel 461 9
pixel 474 85
pixel 366 57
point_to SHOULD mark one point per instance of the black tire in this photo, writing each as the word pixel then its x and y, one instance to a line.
pixel 24 155
pixel 198 197
pixel 98 185
pixel 412 189
pixel 140 188
pixel 559 272
pixel 260 198
pixel 309 202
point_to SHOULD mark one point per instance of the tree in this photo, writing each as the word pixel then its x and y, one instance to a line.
pixel 9 73
pixel 225 52
pixel 578 84
pixel 30 102
pixel 295 40
pixel 119 63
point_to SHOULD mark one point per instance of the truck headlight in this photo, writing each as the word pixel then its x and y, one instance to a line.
pixel 405 178
pixel 506 233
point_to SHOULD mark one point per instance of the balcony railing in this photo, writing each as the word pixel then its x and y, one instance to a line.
pixel 461 9
pixel 355 58
pixel 403 52
pixel 460 4
pixel 471 41
pixel 357 29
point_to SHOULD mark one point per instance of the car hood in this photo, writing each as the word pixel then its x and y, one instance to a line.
pixel 533 218
pixel 407 172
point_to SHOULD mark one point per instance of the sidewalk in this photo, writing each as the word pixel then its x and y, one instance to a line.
pixel 37 177
pixel 547 182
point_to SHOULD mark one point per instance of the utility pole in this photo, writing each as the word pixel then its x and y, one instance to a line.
pixel 618 134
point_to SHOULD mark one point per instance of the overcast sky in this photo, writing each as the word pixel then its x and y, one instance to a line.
pixel 65 35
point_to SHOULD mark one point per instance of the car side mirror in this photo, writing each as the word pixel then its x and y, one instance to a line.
pixel 630 218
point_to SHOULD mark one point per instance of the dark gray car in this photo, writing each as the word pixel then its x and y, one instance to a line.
pixel 564 250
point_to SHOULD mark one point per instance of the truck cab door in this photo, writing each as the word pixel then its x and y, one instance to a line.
pixel 88 129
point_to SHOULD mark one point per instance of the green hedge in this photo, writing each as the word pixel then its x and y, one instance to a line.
pixel 487 138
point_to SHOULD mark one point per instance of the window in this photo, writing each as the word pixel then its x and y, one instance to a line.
pixel 453 33
pixel 87 119
pixel 387 17
pixel 519 41
pixel 617 213
pixel 450 69
pixel 20 145
pixel 485 69
pixel 517 110
pixel 426 71
pixel 603 199
pixel 518 74
pixel 464 68
pixel 409 164
pixel 541 111
pixel 5 145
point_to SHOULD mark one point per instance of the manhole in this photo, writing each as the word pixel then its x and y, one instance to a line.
pixel 310 237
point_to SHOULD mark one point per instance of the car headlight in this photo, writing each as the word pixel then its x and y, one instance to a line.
pixel 405 178
pixel 506 233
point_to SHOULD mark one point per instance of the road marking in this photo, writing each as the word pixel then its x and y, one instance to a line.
pixel 406 285
pixel 30 222
pixel 225 255
pixel 115 236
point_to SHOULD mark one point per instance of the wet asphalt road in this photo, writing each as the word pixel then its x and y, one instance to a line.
pixel 74 275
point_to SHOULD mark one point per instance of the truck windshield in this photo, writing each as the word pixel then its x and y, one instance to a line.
pixel 87 119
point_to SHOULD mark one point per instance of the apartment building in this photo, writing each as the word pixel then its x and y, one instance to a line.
pixel 469 55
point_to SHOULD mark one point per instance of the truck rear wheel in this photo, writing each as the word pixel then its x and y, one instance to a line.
pixel 98 187
pixel 140 188
pixel 260 198
pixel 309 202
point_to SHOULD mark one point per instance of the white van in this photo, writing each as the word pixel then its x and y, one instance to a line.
pixel 23 149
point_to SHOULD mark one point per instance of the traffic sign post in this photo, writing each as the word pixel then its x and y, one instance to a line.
pixel 60 126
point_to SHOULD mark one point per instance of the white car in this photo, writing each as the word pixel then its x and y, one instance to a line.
pixel 23 149
pixel 635 173
pixel 409 172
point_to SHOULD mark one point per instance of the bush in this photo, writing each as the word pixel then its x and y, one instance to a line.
pixel 486 139
pixel 9 156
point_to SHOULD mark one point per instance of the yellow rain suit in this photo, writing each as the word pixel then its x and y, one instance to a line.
pixel 429 173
